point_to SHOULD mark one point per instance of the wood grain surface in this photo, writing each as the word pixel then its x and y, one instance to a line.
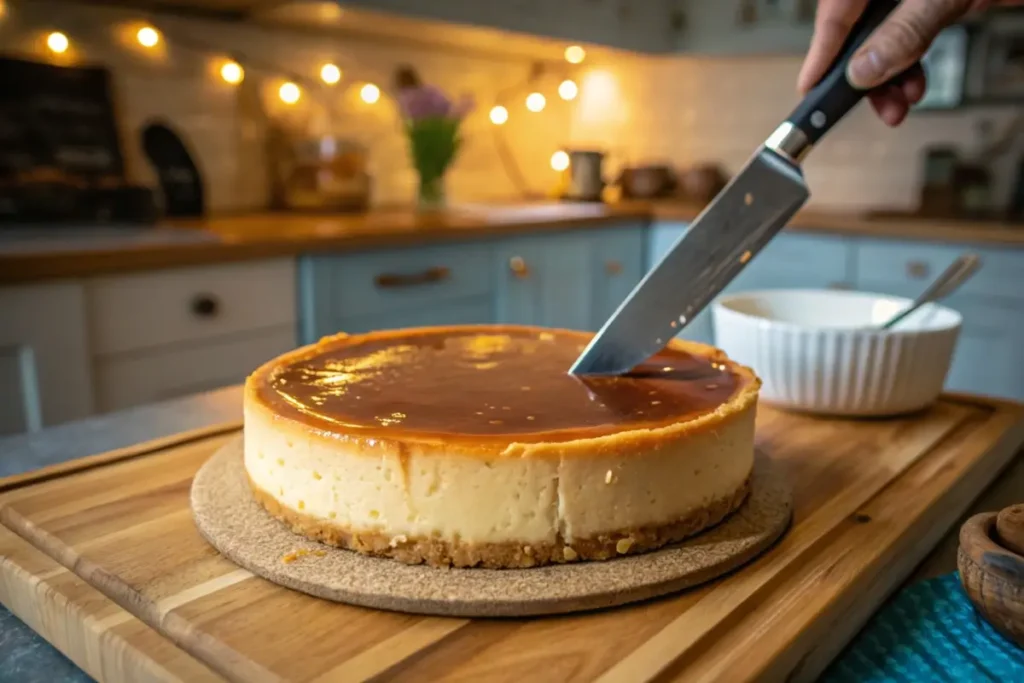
pixel 870 499
pixel 268 235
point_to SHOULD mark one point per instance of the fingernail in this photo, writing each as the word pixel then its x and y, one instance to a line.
pixel 866 70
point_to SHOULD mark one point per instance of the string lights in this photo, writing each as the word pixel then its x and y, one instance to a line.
pixel 57 42
pixel 289 93
pixel 330 74
pixel 232 72
pixel 148 36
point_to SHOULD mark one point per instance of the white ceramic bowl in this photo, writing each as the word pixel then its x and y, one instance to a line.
pixel 820 351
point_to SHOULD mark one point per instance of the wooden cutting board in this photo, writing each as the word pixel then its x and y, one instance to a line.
pixel 101 557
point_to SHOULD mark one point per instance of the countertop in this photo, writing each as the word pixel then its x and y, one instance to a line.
pixel 266 235
pixel 24 656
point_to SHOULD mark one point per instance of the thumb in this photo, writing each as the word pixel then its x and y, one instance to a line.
pixel 902 40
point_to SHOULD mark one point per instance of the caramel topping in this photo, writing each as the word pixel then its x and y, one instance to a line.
pixel 505 383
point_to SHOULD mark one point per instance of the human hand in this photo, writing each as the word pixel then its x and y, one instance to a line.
pixel 895 48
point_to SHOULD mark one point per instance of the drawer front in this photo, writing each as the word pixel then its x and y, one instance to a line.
pixel 140 378
pixel 399 280
pixel 804 261
pixel 914 265
pixel 184 305
pixel 476 311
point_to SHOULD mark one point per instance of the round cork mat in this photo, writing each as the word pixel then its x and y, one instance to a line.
pixel 235 524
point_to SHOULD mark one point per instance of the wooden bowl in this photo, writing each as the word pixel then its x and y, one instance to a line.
pixel 991 563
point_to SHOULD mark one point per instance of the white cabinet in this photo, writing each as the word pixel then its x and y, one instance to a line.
pixel 168 333
pixel 45 375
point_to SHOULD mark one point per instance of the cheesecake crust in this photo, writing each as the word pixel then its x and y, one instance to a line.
pixel 437 552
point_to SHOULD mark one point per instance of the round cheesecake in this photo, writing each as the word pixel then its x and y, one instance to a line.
pixel 472 446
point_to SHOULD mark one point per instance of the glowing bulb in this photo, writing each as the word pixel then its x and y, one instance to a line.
pixel 330 74
pixel 148 36
pixel 289 93
pixel 559 161
pixel 369 93
pixel 574 54
pixel 535 102
pixel 568 90
pixel 499 115
pixel 232 72
pixel 57 42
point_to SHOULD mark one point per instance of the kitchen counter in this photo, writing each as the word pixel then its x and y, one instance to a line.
pixel 27 657
pixel 244 237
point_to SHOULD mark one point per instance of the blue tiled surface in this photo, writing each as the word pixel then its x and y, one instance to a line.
pixel 27 658
pixel 928 632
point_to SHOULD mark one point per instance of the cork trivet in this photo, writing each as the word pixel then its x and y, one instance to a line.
pixel 230 519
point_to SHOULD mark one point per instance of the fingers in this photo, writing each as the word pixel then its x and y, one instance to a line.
pixel 832 24
pixel 892 102
pixel 902 40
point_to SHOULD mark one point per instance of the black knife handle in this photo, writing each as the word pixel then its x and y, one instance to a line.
pixel 833 96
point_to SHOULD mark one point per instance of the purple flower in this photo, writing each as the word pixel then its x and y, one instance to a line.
pixel 430 102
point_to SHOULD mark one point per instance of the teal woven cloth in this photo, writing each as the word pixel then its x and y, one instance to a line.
pixel 928 632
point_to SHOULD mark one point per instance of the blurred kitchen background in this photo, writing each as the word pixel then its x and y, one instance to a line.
pixel 189 187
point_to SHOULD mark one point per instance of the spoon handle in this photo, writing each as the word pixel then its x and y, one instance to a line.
pixel 945 284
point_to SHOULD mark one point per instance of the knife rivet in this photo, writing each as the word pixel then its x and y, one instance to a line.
pixel 682 320
pixel 745 257
pixel 748 199
pixel 818 119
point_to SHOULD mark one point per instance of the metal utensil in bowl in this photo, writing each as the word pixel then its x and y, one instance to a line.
pixel 945 284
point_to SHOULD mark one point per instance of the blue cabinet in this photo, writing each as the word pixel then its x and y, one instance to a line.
pixel 989 355
pixel 543 280
pixel 789 261
pixel 362 291
pixel 572 280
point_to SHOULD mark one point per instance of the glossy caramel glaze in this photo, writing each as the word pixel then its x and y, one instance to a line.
pixel 500 382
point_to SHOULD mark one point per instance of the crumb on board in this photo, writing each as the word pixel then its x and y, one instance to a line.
pixel 295 555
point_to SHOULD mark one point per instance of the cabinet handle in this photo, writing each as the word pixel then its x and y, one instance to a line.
pixel 613 267
pixel 839 285
pixel 917 269
pixel 518 267
pixel 429 276
pixel 205 306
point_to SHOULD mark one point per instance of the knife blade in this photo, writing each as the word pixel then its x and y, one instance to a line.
pixel 752 208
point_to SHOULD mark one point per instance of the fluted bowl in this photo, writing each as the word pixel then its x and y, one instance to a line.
pixel 821 351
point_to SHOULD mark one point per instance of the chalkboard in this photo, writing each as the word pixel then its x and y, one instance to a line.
pixel 58 118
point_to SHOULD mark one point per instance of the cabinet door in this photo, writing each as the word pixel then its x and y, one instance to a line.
pixel 789 261
pixel 474 311
pixel 617 265
pixel 989 357
pixel 392 286
pixel 545 280
pixel 45 377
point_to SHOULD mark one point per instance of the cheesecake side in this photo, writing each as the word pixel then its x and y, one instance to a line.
pixel 503 504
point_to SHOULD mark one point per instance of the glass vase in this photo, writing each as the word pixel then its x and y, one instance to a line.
pixel 431 193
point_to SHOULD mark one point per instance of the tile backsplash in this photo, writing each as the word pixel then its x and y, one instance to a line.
pixel 678 110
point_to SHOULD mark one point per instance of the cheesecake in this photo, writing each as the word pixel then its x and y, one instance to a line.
pixel 472 446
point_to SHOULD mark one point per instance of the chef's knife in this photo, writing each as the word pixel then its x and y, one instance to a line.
pixel 733 228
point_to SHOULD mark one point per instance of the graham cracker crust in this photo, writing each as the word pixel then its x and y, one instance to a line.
pixel 441 553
